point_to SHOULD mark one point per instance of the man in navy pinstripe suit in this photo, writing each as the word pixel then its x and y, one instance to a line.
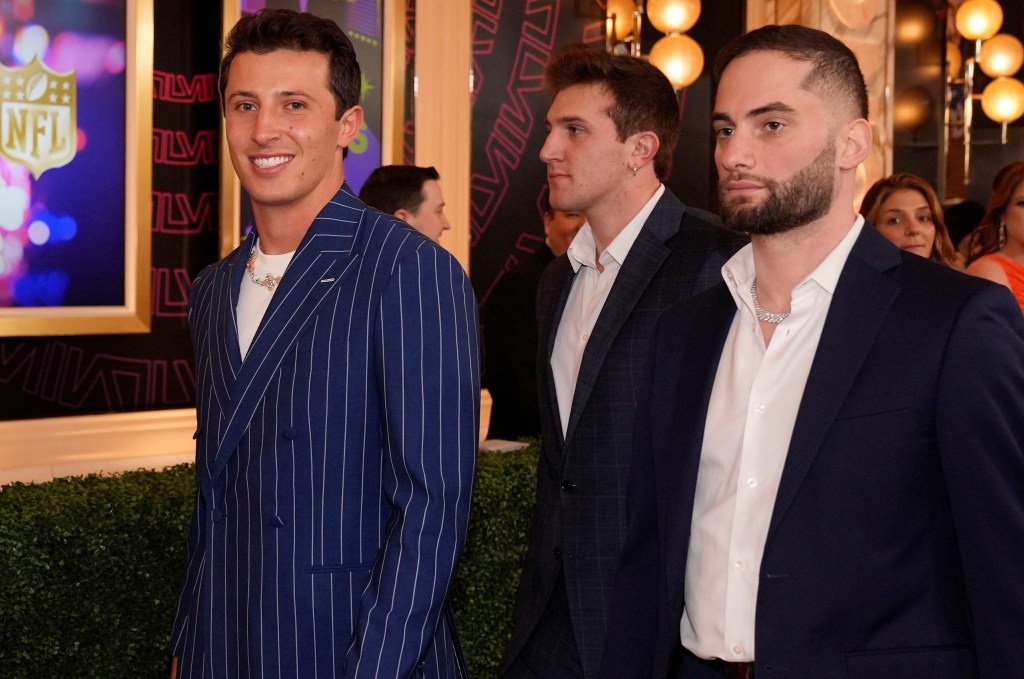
pixel 338 382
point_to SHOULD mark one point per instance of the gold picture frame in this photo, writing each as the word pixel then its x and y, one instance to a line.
pixel 133 316
pixel 392 99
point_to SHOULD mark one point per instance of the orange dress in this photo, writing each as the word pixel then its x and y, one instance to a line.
pixel 1014 274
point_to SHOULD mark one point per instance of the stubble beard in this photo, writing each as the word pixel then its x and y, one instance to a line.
pixel 806 197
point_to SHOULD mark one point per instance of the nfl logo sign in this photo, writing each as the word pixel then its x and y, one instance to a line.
pixel 38 124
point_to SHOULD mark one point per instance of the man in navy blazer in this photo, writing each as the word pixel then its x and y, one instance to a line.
pixel 338 385
pixel 828 479
pixel 613 124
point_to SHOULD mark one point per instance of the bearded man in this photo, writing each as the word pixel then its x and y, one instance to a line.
pixel 828 476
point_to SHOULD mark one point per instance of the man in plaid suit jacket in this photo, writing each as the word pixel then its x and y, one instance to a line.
pixel 613 125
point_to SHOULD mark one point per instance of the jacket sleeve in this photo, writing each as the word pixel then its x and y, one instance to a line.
pixel 980 429
pixel 427 362
pixel 199 307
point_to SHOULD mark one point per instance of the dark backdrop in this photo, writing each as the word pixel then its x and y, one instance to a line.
pixel 512 41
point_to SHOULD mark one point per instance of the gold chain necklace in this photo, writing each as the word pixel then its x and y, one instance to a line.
pixel 267 280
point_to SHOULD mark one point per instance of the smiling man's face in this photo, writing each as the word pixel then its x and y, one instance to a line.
pixel 284 140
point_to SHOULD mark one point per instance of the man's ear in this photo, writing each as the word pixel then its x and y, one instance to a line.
pixel 404 215
pixel 351 123
pixel 645 147
pixel 854 144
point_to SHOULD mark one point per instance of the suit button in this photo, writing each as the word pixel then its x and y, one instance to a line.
pixel 277 522
pixel 558 553
pixel 289 433
pixel 216 515
pixel 567 486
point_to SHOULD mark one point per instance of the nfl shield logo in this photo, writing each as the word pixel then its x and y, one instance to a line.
pixel 38 123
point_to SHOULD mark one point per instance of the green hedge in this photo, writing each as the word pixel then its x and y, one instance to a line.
pixel 90 569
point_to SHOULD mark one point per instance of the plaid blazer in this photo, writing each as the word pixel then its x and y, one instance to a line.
pixel 580 520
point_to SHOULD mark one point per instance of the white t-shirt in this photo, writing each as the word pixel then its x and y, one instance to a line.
pixel 253 298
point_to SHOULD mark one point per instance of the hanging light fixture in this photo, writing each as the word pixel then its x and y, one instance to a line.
pixel 1000 56
pixel 677 55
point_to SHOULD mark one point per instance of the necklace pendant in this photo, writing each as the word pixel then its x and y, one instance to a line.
pixel 267 280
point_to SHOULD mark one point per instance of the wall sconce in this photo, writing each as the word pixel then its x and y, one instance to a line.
pixel 1000 56
pixel 677 55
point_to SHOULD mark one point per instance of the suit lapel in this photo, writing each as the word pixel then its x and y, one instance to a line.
pixel 323 259
pixel 643 261
pixel 862 299
pixel 227 357
pixel 551 298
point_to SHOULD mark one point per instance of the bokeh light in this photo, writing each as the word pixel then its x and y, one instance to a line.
pixel 84 54
pixel 13 203
pixel 24 10
pixel 13 252
pixel 30 41
pixel 63 229
pixel 114 60
pixel 45 288
pixel 39 232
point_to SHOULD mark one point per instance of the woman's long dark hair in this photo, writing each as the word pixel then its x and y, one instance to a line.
pixel 988 237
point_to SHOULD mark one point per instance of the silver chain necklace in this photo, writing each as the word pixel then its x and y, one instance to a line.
pixel 267 280
pixel 762 315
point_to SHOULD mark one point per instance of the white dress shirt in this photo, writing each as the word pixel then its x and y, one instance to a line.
pixel 751 413
pixel 253 299
pixel 587 296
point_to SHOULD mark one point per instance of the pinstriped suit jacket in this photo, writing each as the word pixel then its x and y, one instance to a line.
pixel 335 463
pixel 580 521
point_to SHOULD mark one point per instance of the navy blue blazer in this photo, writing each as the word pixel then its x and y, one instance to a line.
pixel 335 463
pixel 580 520
pixel 897 537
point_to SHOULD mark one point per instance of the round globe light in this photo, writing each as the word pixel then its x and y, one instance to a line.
pixel 1001 55
pixel 1003 100
pixel 979 19
pixel 680 58
pixel 913 108
pixel 673 16
pixel 623 11
pixel 915 23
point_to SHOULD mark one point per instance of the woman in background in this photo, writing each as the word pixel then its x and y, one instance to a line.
pixel 904 209
pixel 996 250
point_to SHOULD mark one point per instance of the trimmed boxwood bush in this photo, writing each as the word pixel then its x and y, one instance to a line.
pixel 485 586
pixel 90 569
